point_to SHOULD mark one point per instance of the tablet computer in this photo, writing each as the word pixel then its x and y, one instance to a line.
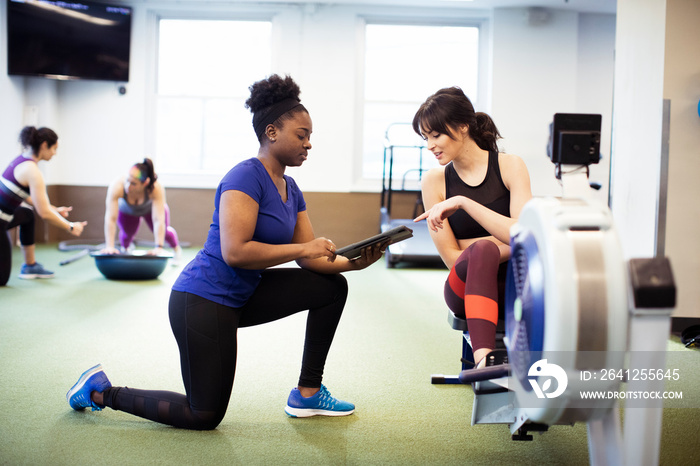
pixel 394 235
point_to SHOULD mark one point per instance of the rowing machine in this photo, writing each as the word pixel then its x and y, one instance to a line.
pixel 577 315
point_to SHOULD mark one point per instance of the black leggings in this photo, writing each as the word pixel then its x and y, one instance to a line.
pixel 206 335
pixel 24 218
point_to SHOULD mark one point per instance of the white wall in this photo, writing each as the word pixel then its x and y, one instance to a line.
pixel 326 72
pixel 637 123
pixel 561 65
pixel 657 59
pixel 594 78
pixel 11 98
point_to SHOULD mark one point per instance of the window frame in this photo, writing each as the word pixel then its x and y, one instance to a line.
pixel 201 179
pixel 482 100
pixel 281 17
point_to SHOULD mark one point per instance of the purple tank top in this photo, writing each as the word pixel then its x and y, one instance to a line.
pixel 12 193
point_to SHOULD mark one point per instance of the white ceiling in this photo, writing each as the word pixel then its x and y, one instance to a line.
pixel 589 6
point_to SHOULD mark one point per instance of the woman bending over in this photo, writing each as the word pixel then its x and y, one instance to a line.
pixel 22 183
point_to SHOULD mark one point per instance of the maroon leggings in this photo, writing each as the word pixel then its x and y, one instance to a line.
pixel 129 226
pixel 474 289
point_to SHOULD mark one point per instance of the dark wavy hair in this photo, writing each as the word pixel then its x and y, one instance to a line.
pixel 448 108
pixel 270 91
pixel 34 138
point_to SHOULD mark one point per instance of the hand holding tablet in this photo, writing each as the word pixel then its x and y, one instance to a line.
pixel 394 235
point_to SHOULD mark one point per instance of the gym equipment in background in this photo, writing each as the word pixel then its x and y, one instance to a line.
pixel 134 265
pixel 137 265
pixel 400 142
pixel 579 317
pixel 82 246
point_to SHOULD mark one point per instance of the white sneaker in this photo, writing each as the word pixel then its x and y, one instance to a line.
pixel 177 256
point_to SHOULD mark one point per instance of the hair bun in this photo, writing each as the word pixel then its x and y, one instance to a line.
pixel 271 90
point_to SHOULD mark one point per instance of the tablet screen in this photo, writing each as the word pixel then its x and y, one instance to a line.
pixel 394 235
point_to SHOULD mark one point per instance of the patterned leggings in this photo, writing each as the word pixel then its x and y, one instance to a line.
pixel 129 226
pixel 475 289
pixel 206 335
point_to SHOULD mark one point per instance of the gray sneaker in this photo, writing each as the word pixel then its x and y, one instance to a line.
pixel 30 272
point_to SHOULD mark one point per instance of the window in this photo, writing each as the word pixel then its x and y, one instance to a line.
pixel 204 70
pixel 404 64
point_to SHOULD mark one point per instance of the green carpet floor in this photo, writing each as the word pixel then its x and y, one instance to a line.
pixel 393 336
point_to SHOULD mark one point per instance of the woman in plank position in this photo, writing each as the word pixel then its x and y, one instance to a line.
pixel 131 198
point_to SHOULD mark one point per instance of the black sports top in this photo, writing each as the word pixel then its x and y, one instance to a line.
pixel 491 193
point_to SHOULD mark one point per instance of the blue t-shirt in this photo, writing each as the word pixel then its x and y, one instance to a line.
pixel 208 275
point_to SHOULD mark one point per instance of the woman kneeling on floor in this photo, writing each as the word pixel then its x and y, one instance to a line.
pixel 260 221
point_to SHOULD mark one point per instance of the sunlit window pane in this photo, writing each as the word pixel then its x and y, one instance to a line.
pixel 228 134
pixel 204 70
pixel 404 64
pixel 179 134
pixel 381 127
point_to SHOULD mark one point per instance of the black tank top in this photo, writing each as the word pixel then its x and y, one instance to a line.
pixel 491 193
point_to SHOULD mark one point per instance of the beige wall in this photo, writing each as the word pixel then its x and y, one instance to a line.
pixel 343 217
pixel 657 59
pixel 682 88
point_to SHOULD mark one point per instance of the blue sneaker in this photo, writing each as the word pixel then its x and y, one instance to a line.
pixel 29 272
pixel 92 380
pixel 320 404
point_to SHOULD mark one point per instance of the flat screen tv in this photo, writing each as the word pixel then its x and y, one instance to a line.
pixel 68 39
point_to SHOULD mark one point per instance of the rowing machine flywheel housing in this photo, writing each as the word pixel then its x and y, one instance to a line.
pixel 566 304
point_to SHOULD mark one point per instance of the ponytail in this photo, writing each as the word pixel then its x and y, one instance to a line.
pixel 450 108
pixel 485 133
pixel 34 138
pixel 147 171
